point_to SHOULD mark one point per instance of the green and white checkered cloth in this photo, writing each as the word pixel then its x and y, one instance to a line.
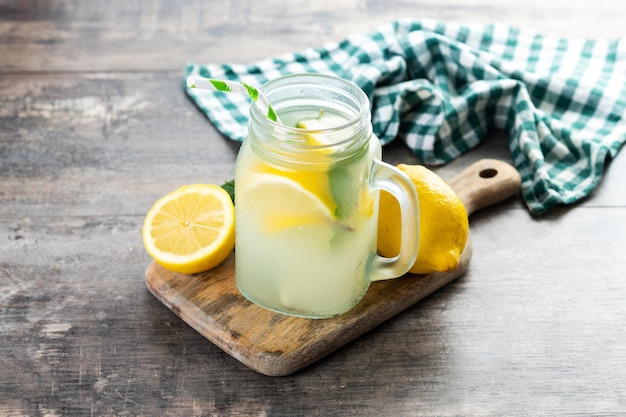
pixel 440 86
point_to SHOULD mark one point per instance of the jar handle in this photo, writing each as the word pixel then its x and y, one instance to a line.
pixel 398 184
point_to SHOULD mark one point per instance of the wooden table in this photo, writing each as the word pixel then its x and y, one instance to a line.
pixel 94 126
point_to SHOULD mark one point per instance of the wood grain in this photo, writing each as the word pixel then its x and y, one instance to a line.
pixel 94 127
pixel 74 35
pixel 275 344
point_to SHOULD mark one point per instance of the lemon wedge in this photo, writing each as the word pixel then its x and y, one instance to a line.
pixel 317 126
pixel 192 229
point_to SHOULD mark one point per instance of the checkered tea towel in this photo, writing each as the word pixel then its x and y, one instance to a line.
pixel 440 86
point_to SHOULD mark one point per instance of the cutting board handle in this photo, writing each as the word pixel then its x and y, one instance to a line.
pixel 486 182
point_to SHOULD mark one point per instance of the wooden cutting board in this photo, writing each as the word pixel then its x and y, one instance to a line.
pixel 275 344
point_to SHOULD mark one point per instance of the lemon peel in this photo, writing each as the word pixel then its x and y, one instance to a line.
pixel 444 226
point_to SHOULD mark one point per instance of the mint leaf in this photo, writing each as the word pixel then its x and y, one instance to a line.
pixel 341 184
pixel 229 186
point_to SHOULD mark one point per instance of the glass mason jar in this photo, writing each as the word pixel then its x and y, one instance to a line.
pixel 306 200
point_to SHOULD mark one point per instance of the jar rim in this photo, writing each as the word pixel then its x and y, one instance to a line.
pixel 323 87
pixel 327 81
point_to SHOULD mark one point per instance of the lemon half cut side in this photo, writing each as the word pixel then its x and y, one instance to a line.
pixel 191 229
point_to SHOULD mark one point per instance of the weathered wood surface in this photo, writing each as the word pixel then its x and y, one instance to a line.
pixel 94 127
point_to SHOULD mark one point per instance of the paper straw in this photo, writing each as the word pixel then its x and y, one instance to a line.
pixel 235 87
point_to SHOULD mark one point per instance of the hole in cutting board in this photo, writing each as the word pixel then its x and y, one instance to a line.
pixel 488 173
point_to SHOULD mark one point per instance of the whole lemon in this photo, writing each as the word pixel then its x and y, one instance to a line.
pixel 444 226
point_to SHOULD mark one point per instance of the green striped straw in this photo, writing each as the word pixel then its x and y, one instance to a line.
pixel 212 84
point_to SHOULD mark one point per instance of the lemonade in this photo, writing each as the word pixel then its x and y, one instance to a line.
pixel 306 226
pixel 306 203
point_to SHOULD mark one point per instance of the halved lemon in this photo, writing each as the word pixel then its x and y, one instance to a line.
pixel 192 229
pixel 280 203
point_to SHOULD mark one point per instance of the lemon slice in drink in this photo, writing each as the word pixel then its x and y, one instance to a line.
pixel 281 203
pixel 322 131
pixel 314 181
pixel 192 229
